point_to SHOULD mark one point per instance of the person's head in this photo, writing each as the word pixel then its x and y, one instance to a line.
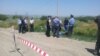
pixel 66 18
pixel 49 17
pixel 20 18
pixel 71 16
pixel 56 16
pixel 32 18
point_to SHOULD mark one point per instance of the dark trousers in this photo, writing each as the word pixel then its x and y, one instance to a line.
pixel 48 31
pixel 70 30
pixel 97 47
pixel 20 28
pixel 24 28
pixel 66 27
pixel 56 31
pixel 31 27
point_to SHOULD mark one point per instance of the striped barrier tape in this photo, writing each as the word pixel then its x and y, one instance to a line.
pixel 34 47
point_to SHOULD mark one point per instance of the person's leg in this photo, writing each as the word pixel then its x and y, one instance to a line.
pixel 71 30
pixel 54 31
pixel 49 31
pixel 22 28
pixel 27 27
pixel 65 28
pixel 57 32
pixel 19 27
pixel 33 27
pixel 97 48
pixel 30 27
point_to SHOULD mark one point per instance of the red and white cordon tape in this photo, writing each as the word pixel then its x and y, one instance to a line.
pixel 34 47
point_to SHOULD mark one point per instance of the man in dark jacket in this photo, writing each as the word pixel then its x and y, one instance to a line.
pixel 97 47
pixel 23 26
pixel 48 28
pixel 66 25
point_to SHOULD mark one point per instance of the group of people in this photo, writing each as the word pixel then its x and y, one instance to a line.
pixel 54 24
pixel 23 24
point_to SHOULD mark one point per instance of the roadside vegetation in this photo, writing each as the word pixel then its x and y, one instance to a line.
pixel 85 27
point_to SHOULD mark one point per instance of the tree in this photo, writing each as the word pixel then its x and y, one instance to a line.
pixel 16 16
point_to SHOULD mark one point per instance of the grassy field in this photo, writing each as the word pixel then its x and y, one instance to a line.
pixel 84 29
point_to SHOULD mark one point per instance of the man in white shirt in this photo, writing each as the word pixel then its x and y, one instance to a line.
pixel 19 24
pixel 31 25
pixel 26 23
pixel 71 25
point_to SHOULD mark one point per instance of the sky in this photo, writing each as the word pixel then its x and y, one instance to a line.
pixel 49 7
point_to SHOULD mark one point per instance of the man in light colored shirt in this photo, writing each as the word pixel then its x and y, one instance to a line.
pixel 71 25
pixel 26 23
pixel 31 25
pixel 56 27
pixel 19 24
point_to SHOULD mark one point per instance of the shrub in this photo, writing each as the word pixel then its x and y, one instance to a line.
pixel 85 18
pixel 39 25
pixel 85 29
pixel 3 17
pixel 43 18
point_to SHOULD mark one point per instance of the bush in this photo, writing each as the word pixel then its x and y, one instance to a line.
pixel 40 25
pixel 85 29
pixel 3 17
pixel 85 18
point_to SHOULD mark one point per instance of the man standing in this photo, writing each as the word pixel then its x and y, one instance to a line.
pixel 26 23
pixel 66 25
pixel 97 47
pixel 71 25
pixel 23 25
pixel 56 24
pixel 31 25
pixel 20 25
pixel 48 26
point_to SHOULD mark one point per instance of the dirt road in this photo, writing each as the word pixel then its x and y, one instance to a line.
pixel 53 46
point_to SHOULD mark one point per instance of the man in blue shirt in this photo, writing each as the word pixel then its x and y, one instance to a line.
pixel 71 25
pixel 56 24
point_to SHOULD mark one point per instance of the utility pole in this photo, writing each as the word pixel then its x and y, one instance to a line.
pixel 57 7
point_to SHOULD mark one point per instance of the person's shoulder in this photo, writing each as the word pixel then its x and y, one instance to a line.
pixel 98 17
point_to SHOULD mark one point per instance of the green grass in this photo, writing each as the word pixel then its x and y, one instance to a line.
pixel 84 38
pixel 85 31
